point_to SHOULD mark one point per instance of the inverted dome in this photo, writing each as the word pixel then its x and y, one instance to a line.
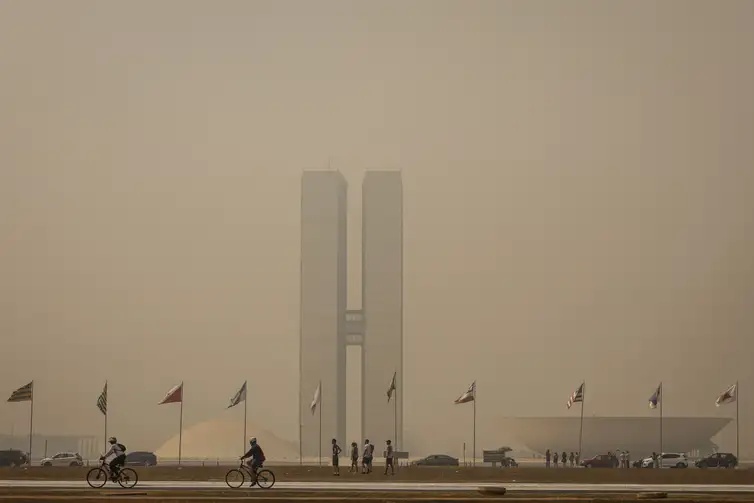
pixel 221 438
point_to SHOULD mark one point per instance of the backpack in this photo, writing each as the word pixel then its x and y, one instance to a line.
pixel 122 447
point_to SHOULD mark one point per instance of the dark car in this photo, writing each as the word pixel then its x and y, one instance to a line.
pixel 141 458
pixel 599 461
pixel 437 460
pixel 718 460
pixel 12 457
pixel 508 462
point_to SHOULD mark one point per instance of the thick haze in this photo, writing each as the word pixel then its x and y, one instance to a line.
pixel 579 203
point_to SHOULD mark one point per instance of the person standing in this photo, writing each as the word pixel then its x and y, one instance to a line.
pixel 354 457
pixel 336 450
pixel 547 458
pixel 366 460
pixel 572 458
pixel 389 458
pixel 564 459
pixel 555 458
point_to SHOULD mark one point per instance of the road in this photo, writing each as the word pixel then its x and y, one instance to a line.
pixel 405 486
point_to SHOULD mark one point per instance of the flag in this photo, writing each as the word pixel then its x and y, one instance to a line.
pixel 577 396
pixel 655 398
pixel 316 400
pixel 102 401
pixel 728 396
pixel 468 396
pixel 239 397
pixel 391 388
pixel 23 394
pixel 175 395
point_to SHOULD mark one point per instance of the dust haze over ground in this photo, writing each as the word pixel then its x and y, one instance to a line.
pixel 578 184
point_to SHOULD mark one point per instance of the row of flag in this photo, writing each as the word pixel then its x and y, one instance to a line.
pixel 318 393
pixel 175 395
pixel 727 396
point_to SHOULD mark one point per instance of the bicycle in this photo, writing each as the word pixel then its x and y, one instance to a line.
pixel 236 477
pixel 98 477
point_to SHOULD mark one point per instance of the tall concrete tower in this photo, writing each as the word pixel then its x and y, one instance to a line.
pixel 328 327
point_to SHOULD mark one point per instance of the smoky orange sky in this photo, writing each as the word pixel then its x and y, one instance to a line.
pixel 578 182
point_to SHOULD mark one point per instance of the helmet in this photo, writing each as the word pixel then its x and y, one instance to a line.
pixel 253 440
pixel 112 440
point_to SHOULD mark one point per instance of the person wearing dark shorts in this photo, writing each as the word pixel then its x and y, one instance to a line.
pixel 389 454
pixel 366 459
pixel 336 450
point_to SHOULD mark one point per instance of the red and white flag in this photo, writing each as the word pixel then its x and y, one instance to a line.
pixel 175 395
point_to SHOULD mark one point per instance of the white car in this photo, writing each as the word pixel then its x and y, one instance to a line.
pixel 668 460
pixel 64 459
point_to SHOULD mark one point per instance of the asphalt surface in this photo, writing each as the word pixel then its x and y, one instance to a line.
pixel 405 486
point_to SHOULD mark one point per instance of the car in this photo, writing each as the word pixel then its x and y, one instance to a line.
pixel 668 460
pixel 63 459
pixel 599 461
pixel 718 460
pixel 12 457
pixel 508 462
pixel 437 460
pixel 141 458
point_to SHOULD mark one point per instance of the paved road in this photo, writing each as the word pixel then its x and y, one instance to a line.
pixel 402 486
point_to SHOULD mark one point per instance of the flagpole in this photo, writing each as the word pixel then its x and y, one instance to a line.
pixel 31 421
pixel 473 438
pixel 180 428
pixel 245 413
pixel 581 422
pixel 320 423
pixel 662 399
pixel 737 397
pixel 395 416
pixel 106 412
pixel 300 428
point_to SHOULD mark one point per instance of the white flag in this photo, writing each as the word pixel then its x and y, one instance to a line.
pixel 239 397
pixel 469 395
pixel 317 394
pixel 727 396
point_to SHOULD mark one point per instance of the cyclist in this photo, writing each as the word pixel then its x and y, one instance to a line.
pixel 255 454
pixel 118 451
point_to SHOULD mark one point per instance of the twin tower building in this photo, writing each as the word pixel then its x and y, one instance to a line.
pixel 327 324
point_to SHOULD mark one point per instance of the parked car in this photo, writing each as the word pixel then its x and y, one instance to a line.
pixel 12 457
pixel 718 460
pixel 63 459
pixel 141 458
pixel 668 460
pixel 599 461
pixel 508 462
pixel 437 460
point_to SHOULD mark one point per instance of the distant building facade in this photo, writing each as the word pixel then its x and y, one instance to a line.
pixel 328 326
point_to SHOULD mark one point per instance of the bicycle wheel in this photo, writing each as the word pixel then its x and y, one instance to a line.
pixel 265 479
pixel 234 478
pixel 127 478
pixel 96 478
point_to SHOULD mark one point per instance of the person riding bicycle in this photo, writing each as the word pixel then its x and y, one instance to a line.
pixel 118 451
pixel 255 454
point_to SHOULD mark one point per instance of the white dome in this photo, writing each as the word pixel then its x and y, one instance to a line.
pixel 221 439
